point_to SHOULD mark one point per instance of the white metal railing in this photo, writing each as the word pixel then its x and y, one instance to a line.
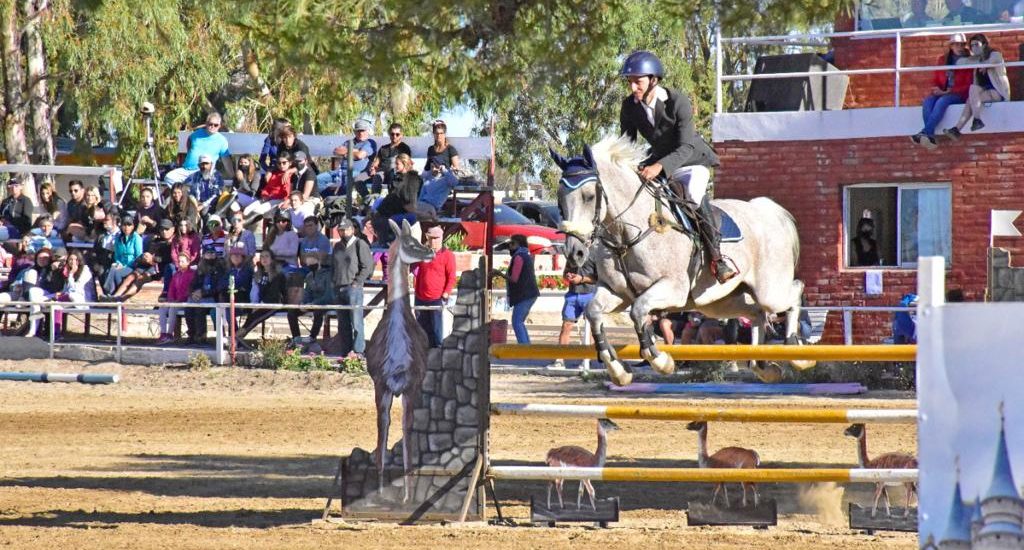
pixel 897 69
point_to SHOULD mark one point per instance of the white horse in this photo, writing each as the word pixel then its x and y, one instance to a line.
pixel 609 212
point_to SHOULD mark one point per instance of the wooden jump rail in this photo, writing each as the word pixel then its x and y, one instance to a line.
pixel 707 414
pixel 705 475
pixel 772 352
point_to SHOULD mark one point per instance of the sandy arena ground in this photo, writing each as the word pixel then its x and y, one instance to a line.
pixel 231 458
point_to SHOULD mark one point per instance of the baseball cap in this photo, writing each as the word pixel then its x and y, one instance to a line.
pixel 435 231
pixel 301 155
pixel 166 223
pixel 205 158
pixel 345 223
pixel 214 219
pixel 60 253
pixel 362 125
pixel 957 37
pixel 13 181
pixel 127 220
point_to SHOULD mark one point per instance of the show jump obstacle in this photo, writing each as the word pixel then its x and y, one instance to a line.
pixel 452 423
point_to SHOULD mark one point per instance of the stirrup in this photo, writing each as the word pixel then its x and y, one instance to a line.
pixel 722 271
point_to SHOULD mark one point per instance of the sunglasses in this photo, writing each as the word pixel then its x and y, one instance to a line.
pixel 213 124
pixel 396 134
pixel 204 164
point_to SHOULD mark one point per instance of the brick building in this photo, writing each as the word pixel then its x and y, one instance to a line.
pixel 829 167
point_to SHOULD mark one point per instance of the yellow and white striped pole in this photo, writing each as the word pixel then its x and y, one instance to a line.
pixel 773 352
pixel 709 414
pixel 706 475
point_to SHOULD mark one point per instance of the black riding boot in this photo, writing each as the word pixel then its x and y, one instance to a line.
pixel 712 238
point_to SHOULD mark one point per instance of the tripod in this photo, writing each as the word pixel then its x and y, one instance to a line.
pixel 148 150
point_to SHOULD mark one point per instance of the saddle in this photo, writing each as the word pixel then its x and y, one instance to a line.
pixel 685 215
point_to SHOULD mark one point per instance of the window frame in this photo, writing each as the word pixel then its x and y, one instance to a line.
pixel 900 186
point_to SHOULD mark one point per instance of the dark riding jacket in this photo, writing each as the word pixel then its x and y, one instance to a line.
pixel 674 140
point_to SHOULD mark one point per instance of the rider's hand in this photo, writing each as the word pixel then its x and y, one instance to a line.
pixel 651 171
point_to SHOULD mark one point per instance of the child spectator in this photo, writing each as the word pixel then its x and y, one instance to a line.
pixel 177 292
pixel 148 214
pixel 186 241
pixel 949 87
pixel 127 249
pixel 990 84
pixel 44 235
pixel 318 289
pixel 206 288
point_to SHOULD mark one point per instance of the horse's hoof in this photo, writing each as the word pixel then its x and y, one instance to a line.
pixel 663 363
pixel 622 378
pixel 803 364
pixel 769 374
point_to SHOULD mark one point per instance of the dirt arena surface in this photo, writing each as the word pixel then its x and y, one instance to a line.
pixel 232 458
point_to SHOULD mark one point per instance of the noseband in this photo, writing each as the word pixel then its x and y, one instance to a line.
pixel 598 231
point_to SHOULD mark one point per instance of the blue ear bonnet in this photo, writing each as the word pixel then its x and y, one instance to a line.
pixel 577 173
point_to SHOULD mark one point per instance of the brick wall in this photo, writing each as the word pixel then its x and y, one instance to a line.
pixel 808 178
pixel 878 90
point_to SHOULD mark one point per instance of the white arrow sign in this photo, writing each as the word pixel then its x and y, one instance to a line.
pixel 1002 223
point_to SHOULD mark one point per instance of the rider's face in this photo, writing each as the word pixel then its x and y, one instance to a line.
pixel 638 85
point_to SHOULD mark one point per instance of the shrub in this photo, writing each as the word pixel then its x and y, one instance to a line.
pixel 456 242
pixel 353 363
pixel 199 361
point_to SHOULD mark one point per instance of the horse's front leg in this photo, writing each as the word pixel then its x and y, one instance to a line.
pixel 662 295
pixel 603 302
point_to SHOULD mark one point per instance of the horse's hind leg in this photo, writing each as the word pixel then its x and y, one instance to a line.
pixel 664 294
pixel 603 302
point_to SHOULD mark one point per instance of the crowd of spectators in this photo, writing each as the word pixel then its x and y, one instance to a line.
pixel 263 236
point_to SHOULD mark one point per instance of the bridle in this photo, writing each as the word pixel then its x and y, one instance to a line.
pixel 599 231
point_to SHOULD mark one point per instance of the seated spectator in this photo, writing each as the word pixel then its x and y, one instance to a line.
pixel 206 140
pixel 183 207
pixel 1014 13
pixel 438 182
pixel 313 240
pixel 97 211
pixel 49 282
pixel 205 184
pixel 268 287
pixel 51 203
pixel 43 235
pixel 15 212
pixel 990 84
pixel 949 87
pixel 102 254
pixel 153 264
pixel 701 329
pixel 207 287
pixel 441 148
pixel 215 235
pixel 79 286
pixel 50 266
pixel 177 293
pixel 670 325
pixel 865 247
pixel 282 242
pixel 271 144
pixel 305 181
pixel 904 323
pixel 318 290
pixel 239 270
pixel 25 289
pixel 291 144
pixel 23 259
pixel 186 241
pixel 382 169
pixel 332 183
pixel 247 177
pixel 959 14
pixel 918 16
pixel 127 249
pixel 297 209
pixel 148 214
pixel 238 235
pixel 273 192
pixel 401 201
pixel 77 220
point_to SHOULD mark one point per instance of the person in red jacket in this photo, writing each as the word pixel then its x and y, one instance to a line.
pixel 950 88
pixel 434 283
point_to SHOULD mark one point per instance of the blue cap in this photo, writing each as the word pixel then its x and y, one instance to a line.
pixel 209 249
pixel 642 63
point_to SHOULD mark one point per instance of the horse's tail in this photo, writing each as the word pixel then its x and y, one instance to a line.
pixel 788 225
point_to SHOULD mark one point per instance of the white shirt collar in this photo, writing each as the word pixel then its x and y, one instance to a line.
pixel 660 94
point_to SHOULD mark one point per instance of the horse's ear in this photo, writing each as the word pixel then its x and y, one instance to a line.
pixel 561 161
pixel 588 156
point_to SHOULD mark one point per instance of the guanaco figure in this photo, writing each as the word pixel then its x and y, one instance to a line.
pixel 578 457
pixel 726 457
pixel 883 462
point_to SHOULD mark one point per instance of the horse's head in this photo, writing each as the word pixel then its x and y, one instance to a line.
pixel 579 200
pixel 407 244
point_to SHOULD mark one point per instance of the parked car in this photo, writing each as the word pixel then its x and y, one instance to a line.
pixel 540 212
pixel 507 222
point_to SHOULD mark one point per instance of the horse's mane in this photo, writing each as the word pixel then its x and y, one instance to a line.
pixel 620 151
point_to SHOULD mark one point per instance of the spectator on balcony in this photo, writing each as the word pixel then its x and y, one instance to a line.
pixel 127 249
pixel 333 183
pixel 1014 13
pixel 401 201
pixel 522 286
pixel 271 144
pixel 441 148
pixel 43 235
pixel 282 242
pixel 918 16
pixel 205 141
pixel 247 177
pixel 305 181
pixel 382 169
pixel 183 207
pixel 438 182
pixel 990 85
pixel 205 184
pixel 238 235
pixel 268 287
pixel 148 214
pixel 314 240
pixel 15 212
pixel 949 87
pixel 54 205
pixel 960 14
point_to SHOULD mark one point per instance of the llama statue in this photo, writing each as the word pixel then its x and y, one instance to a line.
pixel 396 357
pixel 886 461
pixel 726 457
pixel 578 457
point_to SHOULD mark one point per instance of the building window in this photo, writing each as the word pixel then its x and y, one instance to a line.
pixel 891 225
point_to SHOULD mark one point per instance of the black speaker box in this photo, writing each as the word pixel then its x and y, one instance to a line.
pixel 804 93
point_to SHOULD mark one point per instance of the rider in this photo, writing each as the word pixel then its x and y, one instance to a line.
pixel 664 117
